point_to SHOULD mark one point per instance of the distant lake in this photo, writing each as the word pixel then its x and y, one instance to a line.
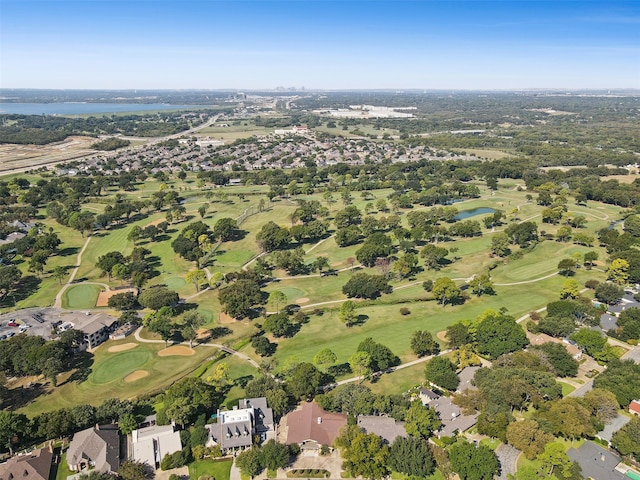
pixel 472 213
pixel 85 108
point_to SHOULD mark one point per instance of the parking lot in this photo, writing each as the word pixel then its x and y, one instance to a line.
pixel 32 321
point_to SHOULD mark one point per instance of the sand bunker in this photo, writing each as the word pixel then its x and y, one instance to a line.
pixel 137 375
pixel 224 318
pixel 442 335
pixel 122 348
pixel 176 350
pixel 103 297
pixel 302 300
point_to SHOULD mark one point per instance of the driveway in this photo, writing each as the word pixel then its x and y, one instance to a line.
pixel 508 457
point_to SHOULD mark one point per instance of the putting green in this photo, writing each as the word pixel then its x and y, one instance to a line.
pixel 175 283
pixel 119 366
pixel 81 296
pixel 292 293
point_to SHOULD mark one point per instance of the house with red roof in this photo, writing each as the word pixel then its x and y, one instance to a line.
pixel 634 407
pixel 311 427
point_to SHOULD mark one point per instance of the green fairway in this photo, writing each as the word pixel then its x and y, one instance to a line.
pixel 119 366
pixel 81 296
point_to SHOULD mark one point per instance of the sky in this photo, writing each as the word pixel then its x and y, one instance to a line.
pixel 349 44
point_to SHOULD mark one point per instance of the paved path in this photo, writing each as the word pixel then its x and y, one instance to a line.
pixel 224 348
pixel 508 457
pixel 74 272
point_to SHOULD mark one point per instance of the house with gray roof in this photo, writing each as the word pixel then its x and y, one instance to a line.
pixel 96 447
pixel 235 429
pixel 466 376
pixel 452 418
pixel 596 462
pixel 35 465
pixel 150 444
pixel 608 322
pixel 386 428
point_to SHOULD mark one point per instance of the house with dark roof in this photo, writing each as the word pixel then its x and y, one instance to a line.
pixel 427 395
pixel 596 462
pixel 96 447
pixel 235 429
pixel 386 428
pixel 452 418
pixel 466 376
pixel 311 427
pixel 32 466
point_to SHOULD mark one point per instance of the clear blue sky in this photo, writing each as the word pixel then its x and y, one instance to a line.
pixel 363 44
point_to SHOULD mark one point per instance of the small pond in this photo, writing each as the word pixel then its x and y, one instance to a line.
pixel 472 213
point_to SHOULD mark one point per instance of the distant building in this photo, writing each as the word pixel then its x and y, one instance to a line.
pixel 96 447
pixel 311 427
pixel 32 466
pixel 236 428
pixel 634 407
pixel 151 444
pixel 96 328
pixel 450 415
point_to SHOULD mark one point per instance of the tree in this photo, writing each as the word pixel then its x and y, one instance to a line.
pixel 589 340
pixel 263 346
pixel 278 324
pixel 162 326
pixel 608 293
pixel 275 455
pixel 564 365
pixel 445 290
pixel 363 454
pixel 127 423
pixel 277 299
pixel 191 321
pixel 59 273
pixel 360 363
pixel 106 262
pixel 120 271
pixel 132 470
pixel 82 221
pixel 411 456
pixel 566 266
pixel 421 421
pixel 618 271
pixel 627 439
pixel 363 285
pixel 348 312
pixel 498 334
pixel 434 256
pixel 157 297
pixel 570 289
pixel 442 372
pixel 197 277
pixel 500 244
pixel 459 334
pixel 472 462
pixel 423 343
pixel 480 284
pixel 225 229
pixel 622 378
pixel 51 368
pixel 568 418
pixel 325 357
pixel 123 301
pixel 12 427
pixel 553 458
pixel 590 258
pixel 381 356
pixel 304 380
pixel 602 403
pixel 240 297
pixel 527 436
pixel 272 237
pixel 250 462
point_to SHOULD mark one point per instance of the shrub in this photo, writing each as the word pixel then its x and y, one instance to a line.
pixel 405 311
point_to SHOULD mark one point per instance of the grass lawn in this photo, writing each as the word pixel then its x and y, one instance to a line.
pixel 104 376
pixel 81 296
pixel 63 469
pixel 220 470
pixel 399 381
pixel 566 388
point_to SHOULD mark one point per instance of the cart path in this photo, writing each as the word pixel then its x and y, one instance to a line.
pixel 74 272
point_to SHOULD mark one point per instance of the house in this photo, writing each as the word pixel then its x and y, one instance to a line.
pixel 386 428
pixel 96 447
pixel 311 427
pixel 540 338
pixel 235 182
pixel 634 407
pixel 427 395
pixel 150 444
pixel 32 466
pixel 596 462
pixel 236 428
pixel 96 328
pixel 450 415
pixel 608 322
pixel 466 376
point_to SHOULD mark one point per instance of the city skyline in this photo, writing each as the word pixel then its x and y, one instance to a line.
pixel 472 45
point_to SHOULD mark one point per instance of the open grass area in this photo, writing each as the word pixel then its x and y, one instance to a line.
pixel 566 388
pixel 103 377
pixel 81 296
pixel 220 470
pixel 63 469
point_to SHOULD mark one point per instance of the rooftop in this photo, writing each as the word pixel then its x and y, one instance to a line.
pixel 311 422
pixel 385 427
pixel 596 462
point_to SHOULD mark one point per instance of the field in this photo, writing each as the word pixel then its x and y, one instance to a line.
pixel 30 156
pixel 220 470
pixel 81 296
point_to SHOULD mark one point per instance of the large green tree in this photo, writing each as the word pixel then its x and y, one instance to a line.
pixel 473 462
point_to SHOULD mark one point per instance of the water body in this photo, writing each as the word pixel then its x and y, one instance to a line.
pixel 79 108
pixel 472 213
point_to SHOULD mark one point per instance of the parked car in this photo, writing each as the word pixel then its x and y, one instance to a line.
pixel 12 323
pixel 10 334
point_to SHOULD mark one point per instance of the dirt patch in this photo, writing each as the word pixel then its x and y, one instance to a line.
pixel 335 264
pixel 176 350
pixel 442 335
pixel 203 333
pixel 302 300
pixel 137 375
pixel 122 348
pixel 103 297
pixel 224 318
